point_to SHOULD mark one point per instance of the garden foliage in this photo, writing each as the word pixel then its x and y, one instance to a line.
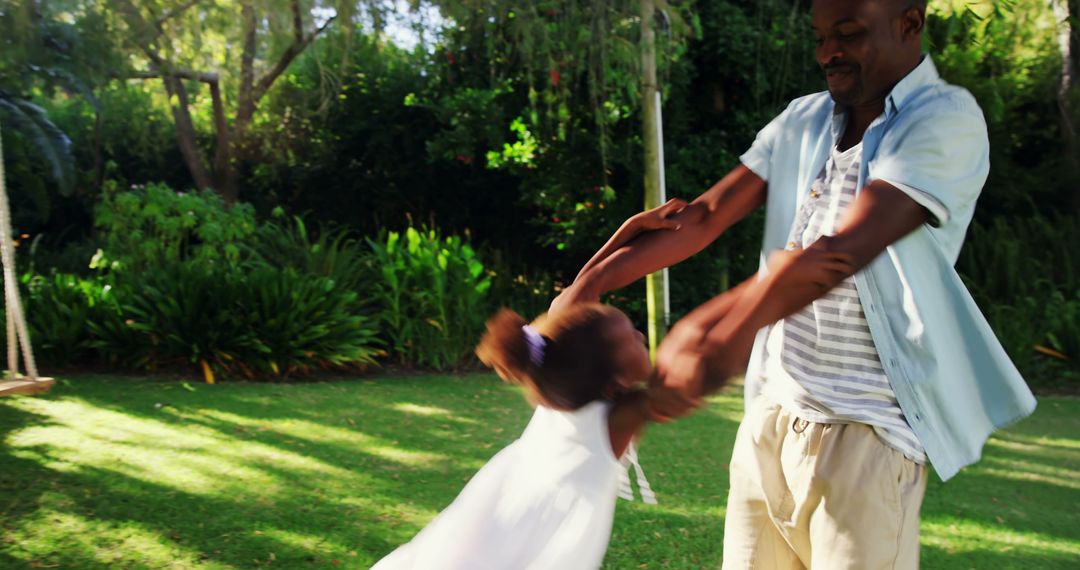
pixel 515 125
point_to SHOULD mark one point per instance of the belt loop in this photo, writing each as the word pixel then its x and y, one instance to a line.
pixel 799 425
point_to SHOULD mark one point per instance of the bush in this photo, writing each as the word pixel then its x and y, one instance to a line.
pixel 329 253
pixel 431 297
pixel 257 322
pixel 57 310
pixel 302 321
pixel 1023 274
pixel 150 226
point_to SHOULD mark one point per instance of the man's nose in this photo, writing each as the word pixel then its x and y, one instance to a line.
pixel 827 51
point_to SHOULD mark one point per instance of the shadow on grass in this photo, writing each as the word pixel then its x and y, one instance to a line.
pixel 147 474
pixel 1021 499
pixel 312 474
pixel 243 475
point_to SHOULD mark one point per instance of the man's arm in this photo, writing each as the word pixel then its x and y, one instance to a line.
pixel 880 216
pixel 700 223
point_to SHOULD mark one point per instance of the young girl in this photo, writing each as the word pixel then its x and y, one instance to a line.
pixel 547 500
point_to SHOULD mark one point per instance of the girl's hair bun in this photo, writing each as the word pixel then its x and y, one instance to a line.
pixel 504 347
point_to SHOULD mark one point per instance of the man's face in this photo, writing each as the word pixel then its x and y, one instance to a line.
pixel 858 47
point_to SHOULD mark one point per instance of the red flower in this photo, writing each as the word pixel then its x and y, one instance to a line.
pixel 554 77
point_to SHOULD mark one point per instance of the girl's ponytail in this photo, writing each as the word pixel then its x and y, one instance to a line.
pixel 504 347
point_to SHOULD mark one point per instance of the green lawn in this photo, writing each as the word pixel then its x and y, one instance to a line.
pixel 129 473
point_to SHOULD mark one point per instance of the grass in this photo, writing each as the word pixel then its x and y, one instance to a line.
pixel 138 473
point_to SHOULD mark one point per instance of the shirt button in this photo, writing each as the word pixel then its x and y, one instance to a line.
pixel 814 193
pixel 791 245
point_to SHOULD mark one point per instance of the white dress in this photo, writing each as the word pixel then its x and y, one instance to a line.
pixel 546 501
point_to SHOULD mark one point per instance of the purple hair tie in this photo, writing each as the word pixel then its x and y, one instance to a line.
pixel 536 343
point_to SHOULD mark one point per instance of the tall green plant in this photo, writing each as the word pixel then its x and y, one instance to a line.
pixel 58 308
pixel 327 252
pixel 302 322
pixel 431 297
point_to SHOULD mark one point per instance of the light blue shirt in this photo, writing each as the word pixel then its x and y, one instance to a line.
pixel 953 380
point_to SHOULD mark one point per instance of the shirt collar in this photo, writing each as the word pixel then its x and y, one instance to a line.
pixel 924 74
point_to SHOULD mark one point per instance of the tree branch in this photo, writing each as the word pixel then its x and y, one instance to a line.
pixel 286 58
pixel 298 23
pixel 145 34
pixel 160 22
pixel 177 73
pixel 245 104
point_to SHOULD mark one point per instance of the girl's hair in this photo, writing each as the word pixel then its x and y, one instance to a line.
pixel 578 362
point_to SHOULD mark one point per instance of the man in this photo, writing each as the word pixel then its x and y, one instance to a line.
pixel 859 379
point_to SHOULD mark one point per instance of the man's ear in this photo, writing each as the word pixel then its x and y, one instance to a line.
pixel 912 22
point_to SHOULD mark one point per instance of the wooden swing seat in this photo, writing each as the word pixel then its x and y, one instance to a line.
pixel 26 387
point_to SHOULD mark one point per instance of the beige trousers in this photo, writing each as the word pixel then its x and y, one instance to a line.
pixel 820 496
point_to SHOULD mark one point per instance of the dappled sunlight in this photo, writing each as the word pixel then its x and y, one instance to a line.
pixel 725 405
pixel 320 433
pixel 1032 459
pixel 965 536
pixel 1038 443
pixel 106 543
pixel 432 411
pixel 669 507
pixel 312 543
pixel 1025 471
pixel 186 457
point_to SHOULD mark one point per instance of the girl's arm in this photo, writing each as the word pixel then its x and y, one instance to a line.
pixel 657 218
pixel 701 221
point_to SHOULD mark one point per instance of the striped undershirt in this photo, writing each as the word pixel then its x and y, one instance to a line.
pixel 821 362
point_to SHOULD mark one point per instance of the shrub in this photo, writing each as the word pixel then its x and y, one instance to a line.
pixel 57 309
pixel 301 322
pixel 260 321
pixel 1023 274
pixel 431 297
pixel 328 253
pixel 152 225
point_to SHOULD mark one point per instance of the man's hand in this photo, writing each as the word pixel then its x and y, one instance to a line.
pixel 679 379
pixel 675 389
pixel 658 218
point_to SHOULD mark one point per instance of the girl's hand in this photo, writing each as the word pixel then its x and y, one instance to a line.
pixel 813 266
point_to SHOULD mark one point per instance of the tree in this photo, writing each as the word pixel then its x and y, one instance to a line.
pixel 191 40
pixel 656 285
pixel 45 51
pixel 1065 13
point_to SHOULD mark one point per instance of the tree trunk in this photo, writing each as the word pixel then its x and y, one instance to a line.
pixel 1063 10
pixel 231 143
pixel 224 173
pixel 655 283
pixel 185 132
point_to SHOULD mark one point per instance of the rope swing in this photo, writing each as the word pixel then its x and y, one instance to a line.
pixel 17 333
